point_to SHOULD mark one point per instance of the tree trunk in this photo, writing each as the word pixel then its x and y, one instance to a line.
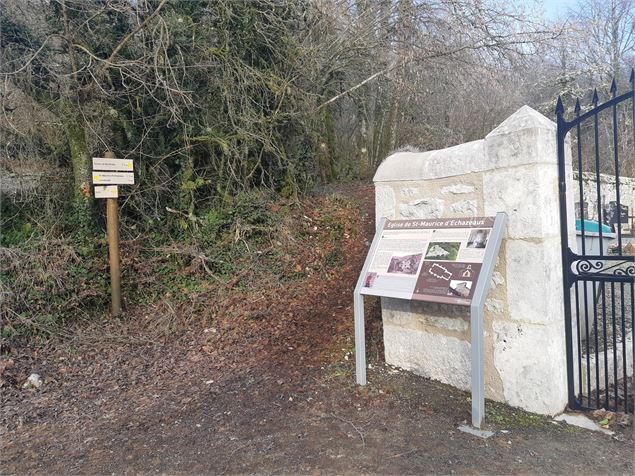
pixel 331 159
pixel 81 163
pixel 362 146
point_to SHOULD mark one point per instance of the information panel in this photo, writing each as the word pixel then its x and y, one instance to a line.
pixel 435 260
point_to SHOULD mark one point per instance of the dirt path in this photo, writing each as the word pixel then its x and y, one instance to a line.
pixel 251 423
pixel 272 394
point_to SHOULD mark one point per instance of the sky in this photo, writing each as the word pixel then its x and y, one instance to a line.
pixel 554 8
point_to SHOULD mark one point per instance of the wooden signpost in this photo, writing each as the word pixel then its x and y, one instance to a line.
pixel 108 173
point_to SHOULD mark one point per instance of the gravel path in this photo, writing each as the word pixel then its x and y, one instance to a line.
pixel 616 310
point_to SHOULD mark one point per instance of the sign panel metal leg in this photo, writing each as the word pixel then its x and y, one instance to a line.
pixel 478 374
pixel 360 339
pixel 358 309
pixel 476 320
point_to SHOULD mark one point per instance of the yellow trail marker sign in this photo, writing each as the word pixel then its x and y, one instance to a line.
pixel 120 165
pixel 113 178
pixel 106 191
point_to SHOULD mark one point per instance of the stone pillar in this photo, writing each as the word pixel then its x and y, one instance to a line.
pixel 514 169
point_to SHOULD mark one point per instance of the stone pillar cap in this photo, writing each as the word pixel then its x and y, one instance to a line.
pixel 524 118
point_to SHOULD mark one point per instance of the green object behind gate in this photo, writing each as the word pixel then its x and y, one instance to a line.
pixel 591 226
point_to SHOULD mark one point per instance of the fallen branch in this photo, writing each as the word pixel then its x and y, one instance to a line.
pixel 189 216
pixel 405 453
pixel 353 88
pixel 361 435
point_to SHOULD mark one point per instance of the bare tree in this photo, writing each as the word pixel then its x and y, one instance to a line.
pixel 390 61
pixel 604 31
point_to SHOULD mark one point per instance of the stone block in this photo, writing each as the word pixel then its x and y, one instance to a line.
pixel 438 356
pixel 497 279
pixel 534 281
pixel 412 166
pixel 495 306
pixel 422 208
pixel 384 202
pixel 452 320
pixel 531 362
pixel 432 355
pixel 409 192
pixel 468 208
pixel 529 195
pixel 525 137
pixel 458 189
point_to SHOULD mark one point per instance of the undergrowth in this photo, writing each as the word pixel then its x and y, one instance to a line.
pixel 49 285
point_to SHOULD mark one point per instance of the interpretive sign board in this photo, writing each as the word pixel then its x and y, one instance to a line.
pixel 435 260
pixel 448 261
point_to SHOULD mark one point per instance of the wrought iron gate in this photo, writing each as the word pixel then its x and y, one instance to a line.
pixel 598 272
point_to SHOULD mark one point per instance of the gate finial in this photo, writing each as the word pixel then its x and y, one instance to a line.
pixel 613 87
pixel 559 106
pixel 577 107
pixel 595 98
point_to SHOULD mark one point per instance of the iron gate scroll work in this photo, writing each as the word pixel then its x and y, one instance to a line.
pixel 598 276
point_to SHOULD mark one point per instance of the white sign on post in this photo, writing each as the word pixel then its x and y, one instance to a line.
pixel 106 191
pixel 121 165
pixel 113 178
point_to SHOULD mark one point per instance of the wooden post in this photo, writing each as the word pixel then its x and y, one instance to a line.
pixel 112 229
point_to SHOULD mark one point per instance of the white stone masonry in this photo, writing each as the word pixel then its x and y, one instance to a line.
pixel 514 169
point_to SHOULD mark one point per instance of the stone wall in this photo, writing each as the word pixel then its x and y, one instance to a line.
pixel 514 169
pixel 607 193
